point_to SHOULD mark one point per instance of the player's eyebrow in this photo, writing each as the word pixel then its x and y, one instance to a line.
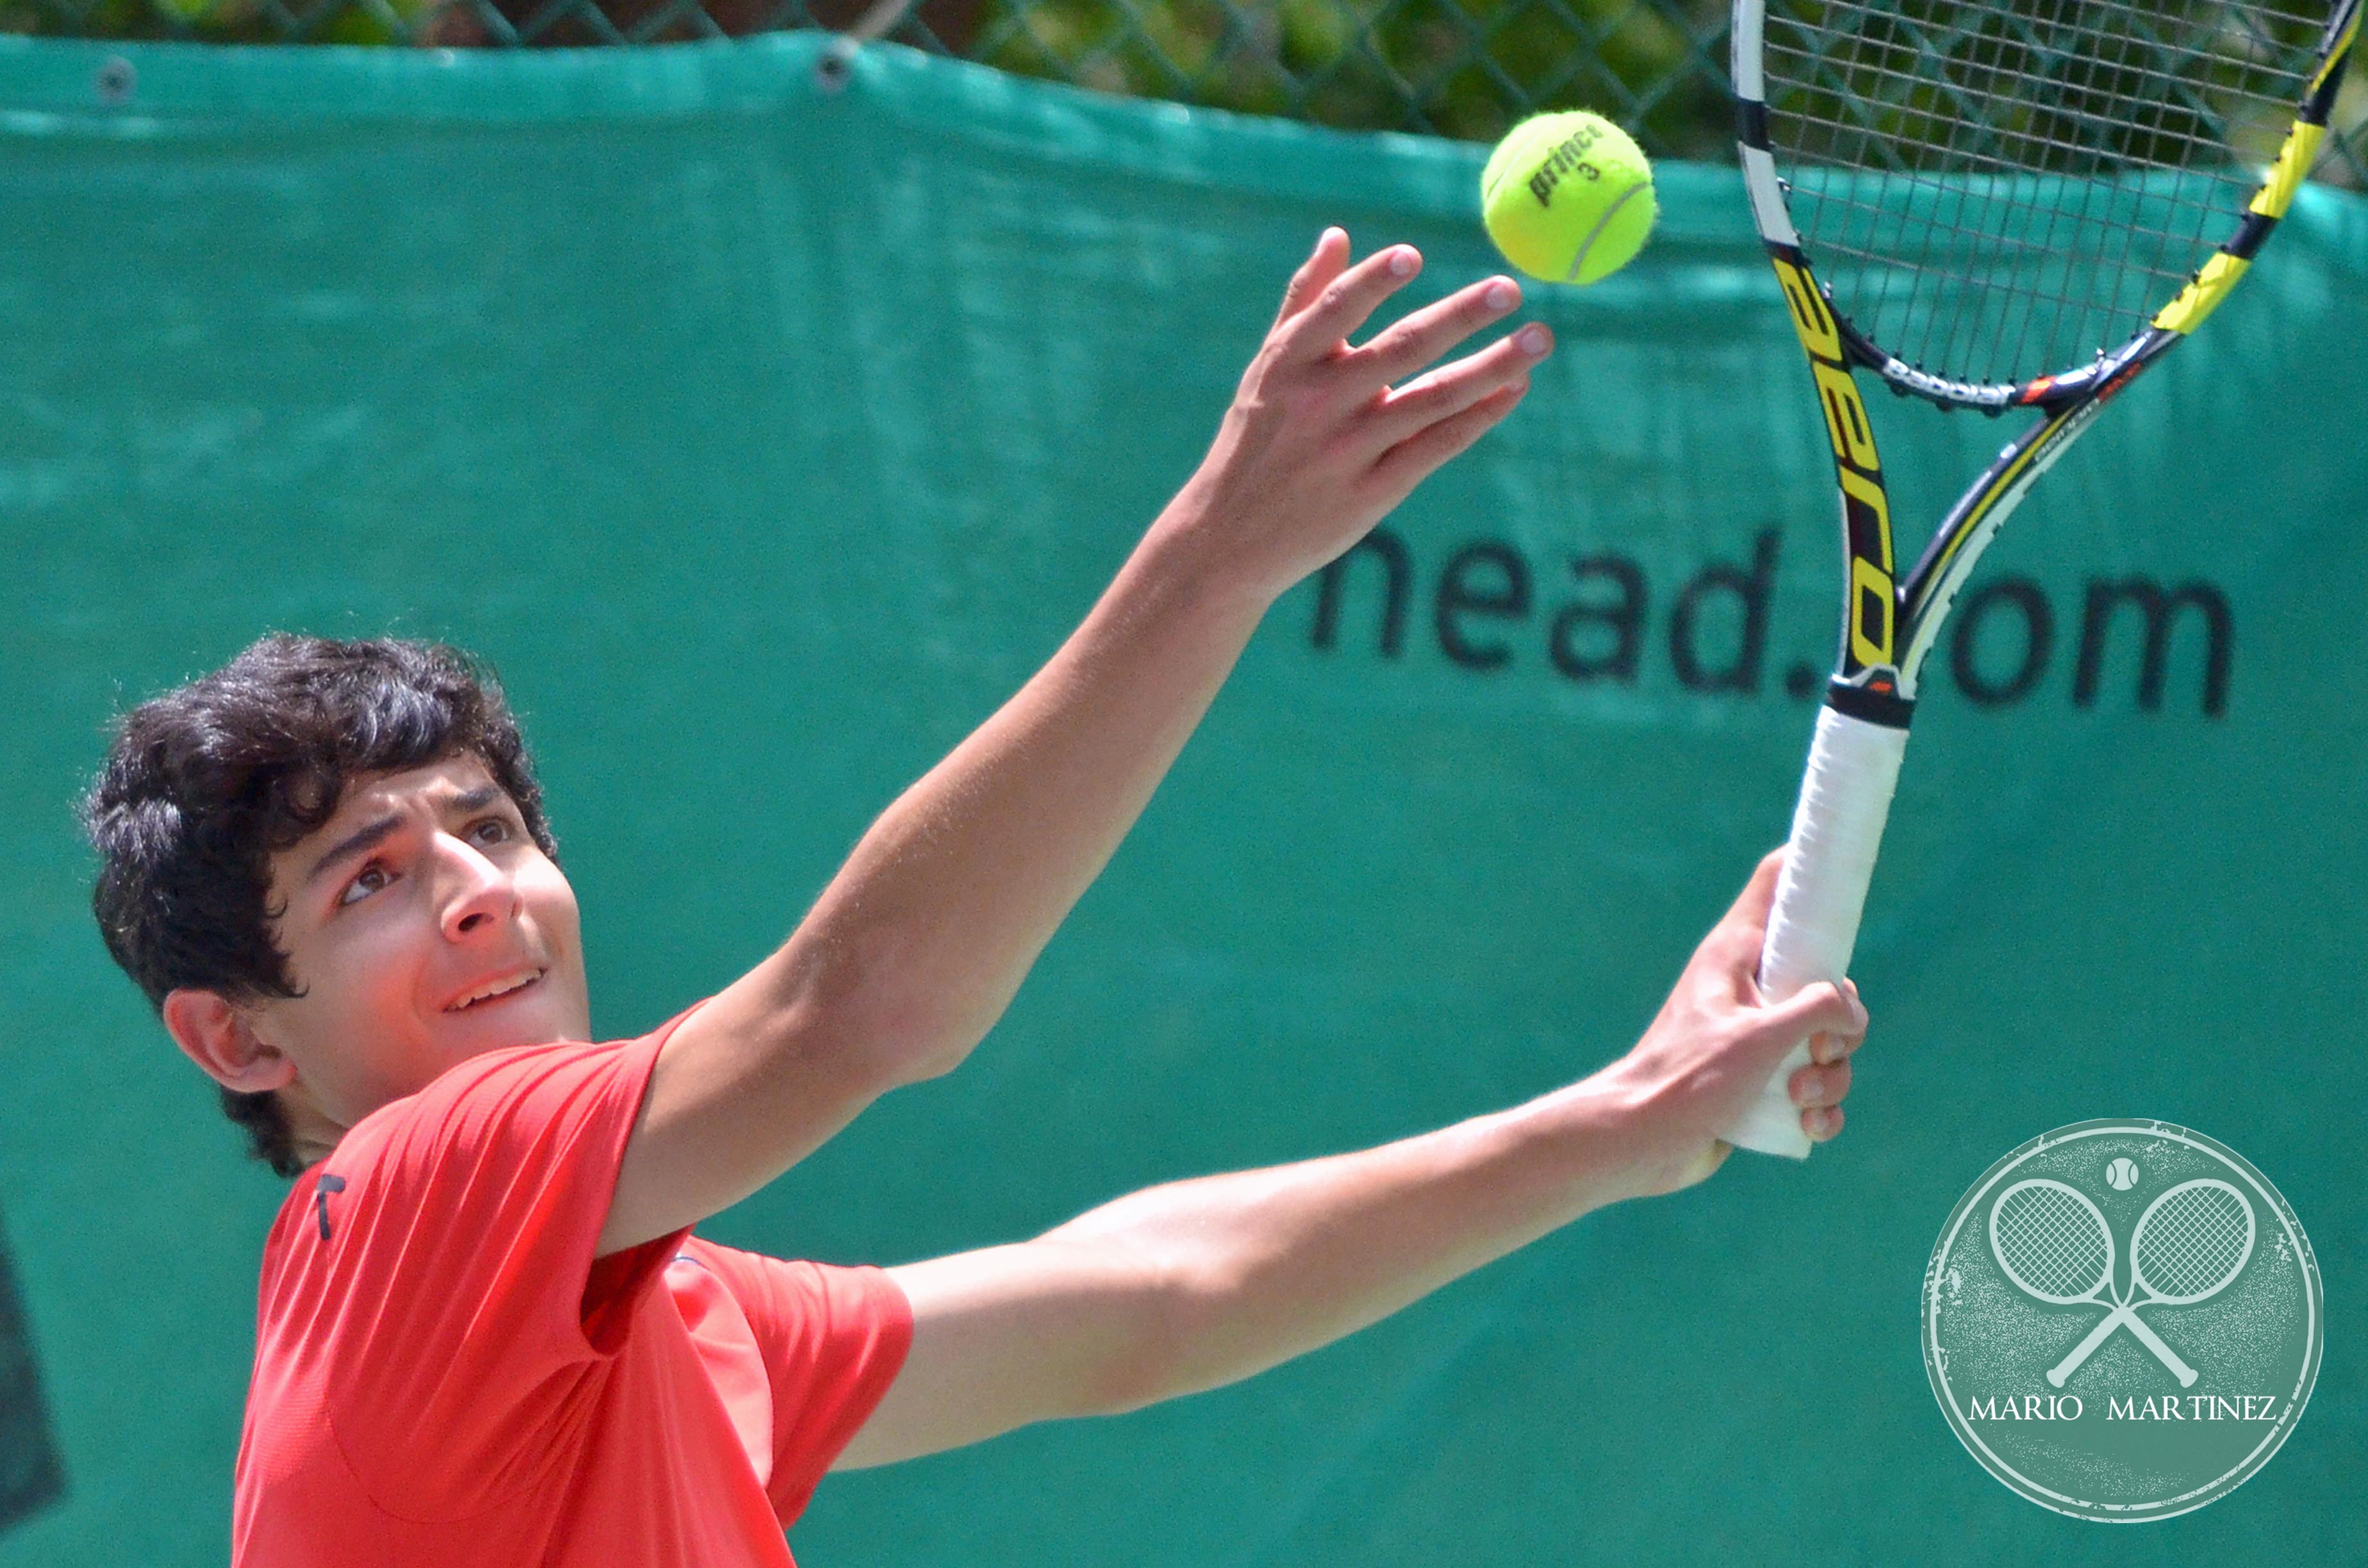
pixel 364 839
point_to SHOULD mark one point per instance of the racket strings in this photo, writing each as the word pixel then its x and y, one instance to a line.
pixel 1962 92
pixel 2019 185
pixel 2193 1243
pixel 2052 1245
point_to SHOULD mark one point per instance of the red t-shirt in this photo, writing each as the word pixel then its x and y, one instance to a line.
pixel 443 1374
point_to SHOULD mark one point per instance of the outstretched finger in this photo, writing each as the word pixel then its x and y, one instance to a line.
pixel 1348 301
pixel 1451 389
pixel 1322 266
pixel 1413 460
pixel 1408 345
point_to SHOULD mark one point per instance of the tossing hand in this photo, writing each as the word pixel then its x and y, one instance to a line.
pixel 1323 438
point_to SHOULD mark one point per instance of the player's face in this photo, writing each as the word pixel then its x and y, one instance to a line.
pixel 423 891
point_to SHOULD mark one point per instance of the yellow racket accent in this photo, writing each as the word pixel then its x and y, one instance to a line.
pixel 1872 598
pixel 2203 296
pixel 1868 494
pixel 2336 56
pixel 1811 321
pixel 2286 175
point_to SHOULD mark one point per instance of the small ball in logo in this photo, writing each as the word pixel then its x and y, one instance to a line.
pixel 2121 1175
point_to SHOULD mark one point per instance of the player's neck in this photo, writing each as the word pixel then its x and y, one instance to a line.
pixel 311 1129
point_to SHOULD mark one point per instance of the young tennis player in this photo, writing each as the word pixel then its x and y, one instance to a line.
pixel 485 1332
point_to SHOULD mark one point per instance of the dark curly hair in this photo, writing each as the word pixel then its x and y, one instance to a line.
pixel 203 784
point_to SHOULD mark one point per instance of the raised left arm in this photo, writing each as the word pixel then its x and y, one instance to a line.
pixel 1201 1283
pixel 916 946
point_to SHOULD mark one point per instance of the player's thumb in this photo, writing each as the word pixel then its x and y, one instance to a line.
pixel 1819 1008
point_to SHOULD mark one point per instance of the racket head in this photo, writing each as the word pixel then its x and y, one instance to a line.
pixel 2006 201
pixel 2019 202
pixel 2052 1241
pixel 2192 1242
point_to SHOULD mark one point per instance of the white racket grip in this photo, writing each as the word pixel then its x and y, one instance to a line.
pixel 1836 832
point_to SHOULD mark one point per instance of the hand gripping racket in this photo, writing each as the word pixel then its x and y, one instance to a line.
pixel 2189 1246
pixel 1990 204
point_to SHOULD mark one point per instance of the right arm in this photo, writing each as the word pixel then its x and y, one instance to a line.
pixel 1201 1283
pixel 916 947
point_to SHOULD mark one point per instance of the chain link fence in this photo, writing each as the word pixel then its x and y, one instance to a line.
pixel 1457 68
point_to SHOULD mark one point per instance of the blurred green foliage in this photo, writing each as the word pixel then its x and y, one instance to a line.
pixel 1458 68
pixel 217 21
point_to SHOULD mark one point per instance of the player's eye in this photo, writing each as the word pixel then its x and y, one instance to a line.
pixel 488 830
pixel 362 883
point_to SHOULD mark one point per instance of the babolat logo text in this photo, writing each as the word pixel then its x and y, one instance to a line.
pixel 1570 158
pixel 2122 1320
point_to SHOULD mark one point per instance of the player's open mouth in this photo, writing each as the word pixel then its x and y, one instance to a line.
pixel 498 991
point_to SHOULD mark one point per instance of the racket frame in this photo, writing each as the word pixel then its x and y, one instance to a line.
pixel 1889 623
pixel 1893 620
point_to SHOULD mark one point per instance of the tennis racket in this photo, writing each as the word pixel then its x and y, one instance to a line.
pixel 1991 205
pixel 2055 1246
pixel 2190 1245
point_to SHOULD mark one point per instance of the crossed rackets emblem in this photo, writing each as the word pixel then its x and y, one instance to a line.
pixel 2189 1246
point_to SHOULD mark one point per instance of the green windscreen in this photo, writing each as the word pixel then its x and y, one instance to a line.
pixel 766 433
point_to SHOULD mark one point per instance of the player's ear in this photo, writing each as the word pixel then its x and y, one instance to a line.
pixel 219 1038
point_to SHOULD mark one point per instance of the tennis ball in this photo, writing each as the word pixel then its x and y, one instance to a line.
pixel 1567 197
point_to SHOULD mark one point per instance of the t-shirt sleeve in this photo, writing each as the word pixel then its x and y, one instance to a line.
pixel 464 1231
pixel 833 1340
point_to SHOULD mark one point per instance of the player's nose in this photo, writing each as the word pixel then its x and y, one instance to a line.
pixel 475 895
